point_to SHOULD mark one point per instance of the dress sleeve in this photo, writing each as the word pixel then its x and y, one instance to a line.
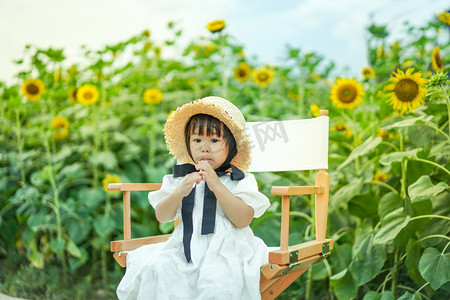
pixel 168 186
pixel 247 191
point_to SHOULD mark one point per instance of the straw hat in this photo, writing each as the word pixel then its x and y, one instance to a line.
pixel 219 108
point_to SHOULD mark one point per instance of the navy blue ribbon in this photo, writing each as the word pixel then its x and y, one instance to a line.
pixel 209 203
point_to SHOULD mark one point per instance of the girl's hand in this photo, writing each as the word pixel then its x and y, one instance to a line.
pixel 187 184
pixel 208 174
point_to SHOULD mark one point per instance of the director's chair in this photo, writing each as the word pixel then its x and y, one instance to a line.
pixel 293 145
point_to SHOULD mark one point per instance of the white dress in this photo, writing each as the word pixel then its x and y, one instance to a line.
pixel 225 264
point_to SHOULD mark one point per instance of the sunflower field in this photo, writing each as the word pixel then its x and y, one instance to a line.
pixel 69 129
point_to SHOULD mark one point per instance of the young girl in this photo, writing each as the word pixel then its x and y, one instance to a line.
pixel 212 253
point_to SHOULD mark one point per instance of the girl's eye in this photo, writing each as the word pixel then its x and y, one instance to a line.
pixel 214 140
pixel 197 140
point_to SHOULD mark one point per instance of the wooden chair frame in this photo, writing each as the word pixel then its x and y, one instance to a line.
pixel 285 264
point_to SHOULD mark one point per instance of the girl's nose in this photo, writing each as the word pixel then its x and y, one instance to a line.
pixel 205 147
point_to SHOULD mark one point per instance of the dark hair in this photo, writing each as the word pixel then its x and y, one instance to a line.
pixel 201 124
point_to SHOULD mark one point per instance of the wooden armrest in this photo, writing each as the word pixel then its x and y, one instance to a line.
pixel 297 190
pixel 299 251
pixel 128 245
pixel 134 186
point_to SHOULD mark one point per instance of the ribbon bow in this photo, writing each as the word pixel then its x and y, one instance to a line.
pixel 209 203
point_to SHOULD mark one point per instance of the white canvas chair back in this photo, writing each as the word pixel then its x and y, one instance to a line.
pixel 289 145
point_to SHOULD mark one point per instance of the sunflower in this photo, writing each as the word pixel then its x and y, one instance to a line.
pixel 315 110
pixel 153 96
pixel 407 90
pixel 73 95
pixel 380 176
pixel 57 75
pixel 263 76
pixel 384 134
pixel 61 127
pixel 396 46
pixel 242 72
pixel 216 26
pixel 343 127
pixel 32 89
pixel 444 17
pixel 87 94
pixel 346 93
pixel 73 69
pixel 436 61
pixel 293 95
pixel 380 51
pixel 110 178
pixel 204 50
pixel 148 45
pixel 368 73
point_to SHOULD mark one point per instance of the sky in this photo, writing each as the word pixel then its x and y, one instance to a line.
pixel 332 28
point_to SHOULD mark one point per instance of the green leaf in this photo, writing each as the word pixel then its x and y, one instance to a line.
pixel 91 197
pixel 105 158
pixel 62 154
pixel 35 221
pixel 75 263
pixel 398 156
pixel 363 206
pixel 391 225
pixel 342 256
pixel 409 296
pixel 103 226
pixel 434 267
pixel 346 193
pixel 344 285
pixel 73 249
pixel 388 203
pixel 410 122
pixel 387 295
pixel 363 229
pixel 365 148
pixel 424 189
pixel 413 254
pixel 368 260
pixel 78 230
pixel 371 295
pixel 57 245
pixel 72 171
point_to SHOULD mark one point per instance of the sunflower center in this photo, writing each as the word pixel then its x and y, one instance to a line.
pixel 262 76
pixel 406 90
pixel 347 93
pixel 88 95
pixel 32 89
pixel 242 73
pixel 438 60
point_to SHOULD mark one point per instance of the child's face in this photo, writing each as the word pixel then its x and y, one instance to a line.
pixel 211 148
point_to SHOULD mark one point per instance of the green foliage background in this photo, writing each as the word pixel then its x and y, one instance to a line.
pixel 391 236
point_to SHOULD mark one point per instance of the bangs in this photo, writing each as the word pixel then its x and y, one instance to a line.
pixel 202 124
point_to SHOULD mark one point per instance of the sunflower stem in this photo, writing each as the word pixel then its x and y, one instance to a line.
pixel 404 169
pixel 56 205
pixel 20 144
pixel 395 272
pixel 447 100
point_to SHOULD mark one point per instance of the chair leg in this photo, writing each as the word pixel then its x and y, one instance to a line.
pixel 271 288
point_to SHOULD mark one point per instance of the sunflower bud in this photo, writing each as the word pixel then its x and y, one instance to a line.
pixel 438 79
